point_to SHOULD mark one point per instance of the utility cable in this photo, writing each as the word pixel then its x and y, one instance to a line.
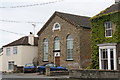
pixel 31 5
pixel 11 32
pixel 10 21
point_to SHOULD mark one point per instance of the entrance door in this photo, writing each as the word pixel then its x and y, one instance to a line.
pixel 57 58
pixel 11 65
pixel 57 61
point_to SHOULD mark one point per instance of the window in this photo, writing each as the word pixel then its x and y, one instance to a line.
pixel 45 50
pixel 10 65
pixel 56 26
pixel 112 59
pixel 7 51
pixel 14 50
pixel 104 58
pixel 108 29
pixel 107 59
pixel 69 47
pixel 57 43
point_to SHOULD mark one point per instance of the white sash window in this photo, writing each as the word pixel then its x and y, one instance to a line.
pixel 107 58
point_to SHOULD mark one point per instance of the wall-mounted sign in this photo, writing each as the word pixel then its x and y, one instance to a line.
pixel 56 54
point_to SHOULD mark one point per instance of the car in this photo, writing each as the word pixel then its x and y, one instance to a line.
pixel 29 67
pixel 53 67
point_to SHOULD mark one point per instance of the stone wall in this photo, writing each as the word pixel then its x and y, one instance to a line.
pixel 118 56
pixel 85 48
pixel 98 74
pixel 81 44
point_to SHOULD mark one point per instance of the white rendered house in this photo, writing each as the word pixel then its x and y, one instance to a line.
pixel 1 57
pixel 20 52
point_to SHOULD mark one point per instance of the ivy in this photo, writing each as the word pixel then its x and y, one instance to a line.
pixel 98 34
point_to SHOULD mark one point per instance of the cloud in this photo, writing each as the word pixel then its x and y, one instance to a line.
pixel 42 13
pixel 29 0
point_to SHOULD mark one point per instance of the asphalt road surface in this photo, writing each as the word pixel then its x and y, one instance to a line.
pixel 31 76
pixel 36 76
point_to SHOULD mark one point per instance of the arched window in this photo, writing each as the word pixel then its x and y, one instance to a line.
pixel 69 47
pixel 56 26
pixel 57 43
pixel 45 58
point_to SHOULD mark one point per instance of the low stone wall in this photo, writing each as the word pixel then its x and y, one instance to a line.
pixel 56 73
pixel 18 69
pixel 77 73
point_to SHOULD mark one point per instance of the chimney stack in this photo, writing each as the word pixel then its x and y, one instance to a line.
pixel 117 1
pixel 31 38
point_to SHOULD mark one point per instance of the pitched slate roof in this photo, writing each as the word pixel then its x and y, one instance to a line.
pixel 76 20
pixel 113 8
pixel 22 41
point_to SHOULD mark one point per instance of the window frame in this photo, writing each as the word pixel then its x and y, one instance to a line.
pixel 104 58
pixel 54 26
pixel 11 65
pixel 56 43
pixel 69 47
pixel 15 50
pixel 108 27
pixel 8 51
pixel 109 59
pixel 45 49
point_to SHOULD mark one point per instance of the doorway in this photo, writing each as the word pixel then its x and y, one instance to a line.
pixel 57 61
pixel 57 58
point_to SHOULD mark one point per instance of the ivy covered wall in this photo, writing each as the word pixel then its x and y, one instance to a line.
pixel 98 34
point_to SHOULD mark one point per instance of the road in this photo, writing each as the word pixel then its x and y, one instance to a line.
pixel 31 76
pixel 36 76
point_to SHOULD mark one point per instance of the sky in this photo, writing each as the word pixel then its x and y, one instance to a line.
pixel 17 16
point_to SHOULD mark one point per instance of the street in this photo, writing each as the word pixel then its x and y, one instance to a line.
pixel 31 76
pixel 36 76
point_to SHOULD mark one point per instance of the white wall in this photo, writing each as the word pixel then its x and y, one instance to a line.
pixel 12 57
pixel 29 53
pixel 1 61
pixel 25 55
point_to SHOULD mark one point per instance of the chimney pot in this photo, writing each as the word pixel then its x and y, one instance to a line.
pixel 30 32
pixel 31 38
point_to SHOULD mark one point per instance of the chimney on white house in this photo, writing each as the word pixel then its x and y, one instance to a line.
pixel 117 1
pixel 31 38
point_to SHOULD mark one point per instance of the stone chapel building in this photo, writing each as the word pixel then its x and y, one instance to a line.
pixel 65 40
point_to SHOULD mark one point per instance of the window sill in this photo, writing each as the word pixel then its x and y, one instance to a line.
pixel 56 29
pixel 69 60
pixel 45 61
pixel 108 36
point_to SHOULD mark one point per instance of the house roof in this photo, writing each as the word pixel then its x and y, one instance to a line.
pixel 113 8
pixel 76 20
pixel 1 50
pixel 22 41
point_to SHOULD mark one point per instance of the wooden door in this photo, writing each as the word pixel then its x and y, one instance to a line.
pixel 57 61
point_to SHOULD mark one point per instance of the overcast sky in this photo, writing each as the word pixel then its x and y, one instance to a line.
pixel 40 13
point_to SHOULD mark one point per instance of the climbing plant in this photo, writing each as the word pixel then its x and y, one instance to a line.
pixel 98 34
